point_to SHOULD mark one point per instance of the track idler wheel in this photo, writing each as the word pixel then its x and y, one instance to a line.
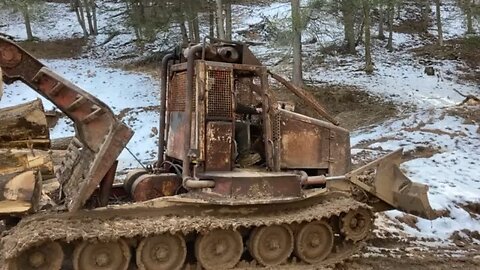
pixel 101 256
pixel 219 249
pixel 48 256
pixel 356 225
pixel 271 245
pixel 131 177
pixel 161 252
pixel 314 242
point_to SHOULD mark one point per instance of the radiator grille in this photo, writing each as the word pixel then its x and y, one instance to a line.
pixel 220 94
pixel 177 92
pixel 176 95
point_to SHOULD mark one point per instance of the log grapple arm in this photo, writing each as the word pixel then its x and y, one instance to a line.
pixel 100 136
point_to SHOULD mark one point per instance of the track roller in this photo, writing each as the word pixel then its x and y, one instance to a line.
pixel 314 241
pixel 271 245
pixel 48 256
pixel 101 256
pixel 161 252
pixel 219 249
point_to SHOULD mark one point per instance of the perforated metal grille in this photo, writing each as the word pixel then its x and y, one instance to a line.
pixel 244 94
pixel 176 95
pixel 220 94
pixel 276 118
pixel 177 92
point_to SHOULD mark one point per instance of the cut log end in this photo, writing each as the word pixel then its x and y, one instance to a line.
pixel 24 126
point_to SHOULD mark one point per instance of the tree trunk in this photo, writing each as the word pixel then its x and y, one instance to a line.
pixel 399 9
pixel 28 25
pixel 86 4
pixel 439 22
pixel 220 20
pixel 93 5
pixel 468 14
pixel 191 20
pixel 297 77
pixel 368 53
pixel 80 17
pixel 381 18
pixel 183 31
pixel 425 15
pixel 191 31
pixel 24 126
pixel 211 23
pixel 1 84
pixel 196 27
pixel 390 11
pixel 348 10
pixel 228 20
pixel 72 5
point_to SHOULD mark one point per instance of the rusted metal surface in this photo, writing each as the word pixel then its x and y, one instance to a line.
pixel 219 197
pixel 383 179
pixel 251 184
pixel 200 119
pixel 106 184
pixel 102 137
pixel 267 126
pixel 163 107
pixel 303 145
pixel 219 93
pixel 150 186
pixel 339 161
pixel 176 138
pixel 219 138
pixel 308 143
pixel 176 92
pixel 190 89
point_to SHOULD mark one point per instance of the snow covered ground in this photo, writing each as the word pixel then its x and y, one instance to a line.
pixel 451 170
pixel 122 91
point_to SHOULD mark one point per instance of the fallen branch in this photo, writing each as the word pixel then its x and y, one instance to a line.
pixel 305 96
pixel 7 36
pixel 468 98
pixel 109 38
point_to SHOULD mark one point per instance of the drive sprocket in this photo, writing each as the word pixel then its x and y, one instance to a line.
pixel 357 224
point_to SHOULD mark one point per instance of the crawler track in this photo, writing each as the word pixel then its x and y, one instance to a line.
pixel 67 229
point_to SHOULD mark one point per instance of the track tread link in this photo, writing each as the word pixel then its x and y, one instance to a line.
pixel 41 228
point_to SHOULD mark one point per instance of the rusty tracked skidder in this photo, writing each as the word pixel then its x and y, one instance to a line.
pixel 241 181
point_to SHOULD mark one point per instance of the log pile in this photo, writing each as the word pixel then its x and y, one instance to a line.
pixel 24 126
pixel 25 158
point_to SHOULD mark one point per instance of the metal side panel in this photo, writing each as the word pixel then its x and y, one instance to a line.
pixel 219 146
pixel 176 135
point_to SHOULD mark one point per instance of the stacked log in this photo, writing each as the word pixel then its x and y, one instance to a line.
pixel 25 159
pixel 24 126
pixel 19 160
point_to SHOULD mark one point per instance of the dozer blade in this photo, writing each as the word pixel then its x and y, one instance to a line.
pixel 383 179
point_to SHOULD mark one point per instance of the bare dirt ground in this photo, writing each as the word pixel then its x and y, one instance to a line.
pixel 352 107
pixel 398 254
pixel 467 50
